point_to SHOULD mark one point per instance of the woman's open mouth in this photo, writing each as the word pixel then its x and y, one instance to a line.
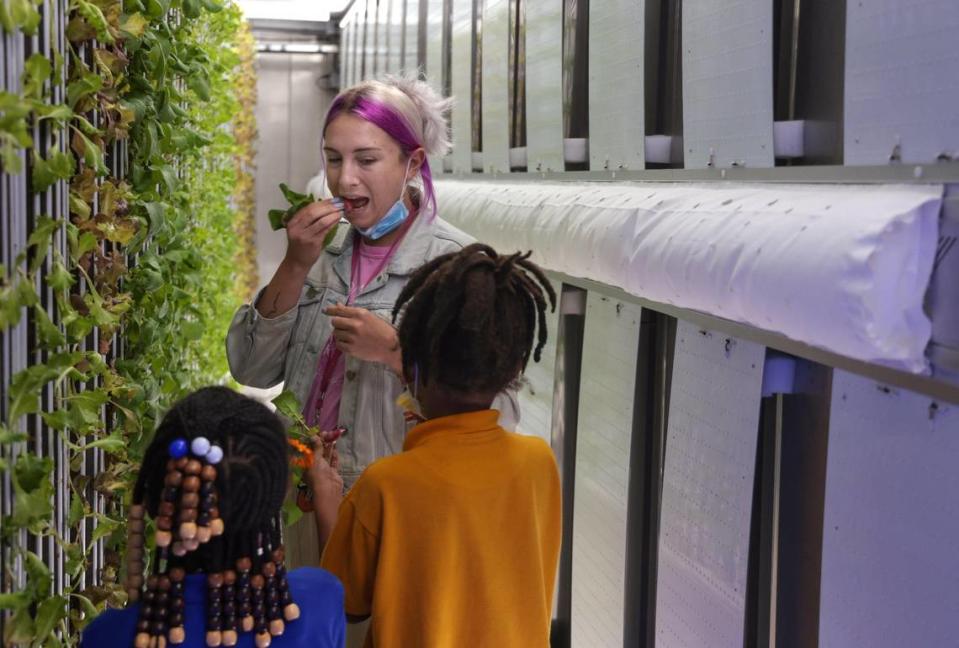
pixel 354 204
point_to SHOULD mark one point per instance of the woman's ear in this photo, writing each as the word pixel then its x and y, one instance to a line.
pixel 417 158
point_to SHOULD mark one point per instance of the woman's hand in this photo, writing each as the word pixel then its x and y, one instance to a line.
pixel 306 231
pixel 327 485
pixel 363 335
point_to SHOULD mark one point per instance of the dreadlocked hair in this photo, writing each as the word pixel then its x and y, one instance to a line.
pixel 213 478
pixel 469 318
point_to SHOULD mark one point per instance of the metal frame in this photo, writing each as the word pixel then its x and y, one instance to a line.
pixel 565 421
pixel 936 173
pixel 928 385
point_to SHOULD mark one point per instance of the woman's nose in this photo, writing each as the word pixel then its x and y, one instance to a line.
pixel 348 176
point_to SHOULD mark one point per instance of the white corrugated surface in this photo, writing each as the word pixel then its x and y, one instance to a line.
pixel 536 394
pixel 728 82
pixel 411 42
pixel 496 86
pixel 434 46
pixel 462 120
pixel 890 569
pixel 602 471
pixel 544 85
pixel 616 98
pixel 842 267
pixel 902 84
pixel 708 490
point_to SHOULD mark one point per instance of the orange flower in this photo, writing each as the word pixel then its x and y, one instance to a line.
pixel 305 457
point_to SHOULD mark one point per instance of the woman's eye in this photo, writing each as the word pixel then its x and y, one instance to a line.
pixel 367 161
pixel 333 161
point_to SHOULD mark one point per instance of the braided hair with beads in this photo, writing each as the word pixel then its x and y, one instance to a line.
pixel 213 479
pixel 469 318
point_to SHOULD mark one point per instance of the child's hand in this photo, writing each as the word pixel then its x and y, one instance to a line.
pixel 327 485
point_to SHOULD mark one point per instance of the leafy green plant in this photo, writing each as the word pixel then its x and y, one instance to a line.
pixel 150 265
pixel 280 217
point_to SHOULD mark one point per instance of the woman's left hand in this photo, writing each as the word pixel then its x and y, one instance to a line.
pixel 365 336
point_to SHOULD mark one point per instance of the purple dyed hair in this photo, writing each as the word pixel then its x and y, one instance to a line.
pixel 393 124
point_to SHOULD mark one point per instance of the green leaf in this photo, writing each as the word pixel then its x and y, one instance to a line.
pixel 60 278
pixel 40 240
pixel 97 20
pixel 294 197
pixel 49 614
pixel 59 166
pixel 289 405
pixel 6 436
pixel 31 471
pixel 92 153
pixel 105 526
pixel 200 84
pixel 88 84
pixel 36 72
pixel 14 600
pixel 50 336
pixel 57 112
pixel 19 14
pixel 79 206
pixel 133 25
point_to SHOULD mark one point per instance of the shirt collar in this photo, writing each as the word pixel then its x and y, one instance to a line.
pixel 470 425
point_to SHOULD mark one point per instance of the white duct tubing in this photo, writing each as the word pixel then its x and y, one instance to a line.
pixel 841 267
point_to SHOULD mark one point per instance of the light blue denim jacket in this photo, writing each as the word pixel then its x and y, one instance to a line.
pixel 262 351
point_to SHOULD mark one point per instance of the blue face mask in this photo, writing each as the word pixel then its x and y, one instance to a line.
pixel 393 218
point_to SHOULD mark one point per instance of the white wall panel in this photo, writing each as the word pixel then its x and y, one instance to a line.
pixel 395 54
pixel 890 569
pixel 536 394
pixel 544 85
pixel 602 471
pixel 708 490
pixel 434 46
pixel 496 86
pixel 461 78
pixel 382 37
pixel 901 81
pixel 411 42
pixel 616 73
pixel 369 38
pixel 728 82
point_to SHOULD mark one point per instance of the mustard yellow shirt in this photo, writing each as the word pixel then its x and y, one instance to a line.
pixel 454 541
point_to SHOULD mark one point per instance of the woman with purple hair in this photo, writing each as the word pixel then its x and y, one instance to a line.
pixel 322 323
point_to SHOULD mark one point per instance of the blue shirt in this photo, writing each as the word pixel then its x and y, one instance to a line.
pixel 318 594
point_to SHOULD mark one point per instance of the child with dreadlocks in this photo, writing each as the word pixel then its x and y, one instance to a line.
pixel 213 479
pixel 455 540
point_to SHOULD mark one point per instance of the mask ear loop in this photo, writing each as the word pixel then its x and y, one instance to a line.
pixel 406 180
pixel 416 379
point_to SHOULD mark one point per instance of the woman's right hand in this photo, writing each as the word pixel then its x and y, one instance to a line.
pixel 306 231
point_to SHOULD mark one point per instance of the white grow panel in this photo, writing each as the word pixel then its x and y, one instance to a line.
pixel 544 85
pixel 708 490
pixel 412 27
pixel 902 85
pixel 461 79
pixel 890 569
pixel 616 98
pixel 842 267
pixel 434 46
pixel 728 83
pixel 536 393
pixel 610 345
pixel 496 86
